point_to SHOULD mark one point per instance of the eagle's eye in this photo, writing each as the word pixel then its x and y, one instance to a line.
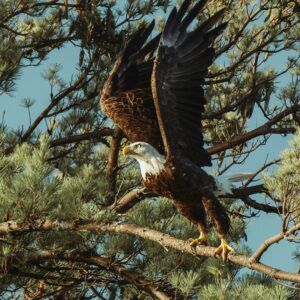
pixel 138 148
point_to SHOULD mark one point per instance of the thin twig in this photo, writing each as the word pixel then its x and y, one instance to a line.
pixel 272 240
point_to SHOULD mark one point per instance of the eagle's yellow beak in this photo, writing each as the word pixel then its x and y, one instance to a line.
pixel 127 150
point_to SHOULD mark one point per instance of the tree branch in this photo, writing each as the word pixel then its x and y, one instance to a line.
pixel 261 206
pixel 250 190
pixel 244 193
pixel 82 137
pixel 163 239
pixel 272 240
pixel 56 100
pixel 243 98
pixel 132 198
pixel 130 276
pixel 262 130
pixel 135 196
pixel 112 165
pixel 228 108
pixel 97 135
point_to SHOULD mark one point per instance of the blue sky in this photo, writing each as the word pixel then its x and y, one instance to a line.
pixel 32 85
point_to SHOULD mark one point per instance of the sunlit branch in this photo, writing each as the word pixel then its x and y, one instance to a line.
pixel 163 239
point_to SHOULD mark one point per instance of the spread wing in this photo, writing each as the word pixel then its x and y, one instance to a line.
pixel 126 97
pixel 133 68
pixel 178 75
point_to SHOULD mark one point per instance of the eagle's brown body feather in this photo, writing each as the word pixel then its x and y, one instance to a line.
pixel 192 198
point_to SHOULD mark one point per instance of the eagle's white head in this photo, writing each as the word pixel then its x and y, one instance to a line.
pixel 151 162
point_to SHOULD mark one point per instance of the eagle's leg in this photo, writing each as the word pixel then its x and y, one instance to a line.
pixel 195 212
pixel 223 250
pixel 202 239
pixel 218 215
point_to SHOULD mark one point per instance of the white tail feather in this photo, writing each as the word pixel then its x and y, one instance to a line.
pixel 238 176
pixel 224 183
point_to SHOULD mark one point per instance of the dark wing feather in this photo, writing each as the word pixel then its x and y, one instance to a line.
pixel 126 97
pixel 178 75
pixel 132 70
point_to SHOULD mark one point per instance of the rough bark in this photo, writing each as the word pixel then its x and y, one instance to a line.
pixel 112 165
pixel 163 239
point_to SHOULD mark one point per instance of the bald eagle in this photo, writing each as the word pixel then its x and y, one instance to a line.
pixel 158 101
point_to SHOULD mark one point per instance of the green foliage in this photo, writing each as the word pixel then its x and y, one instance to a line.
pixel 31 187
pixel 10 58
pixel 226 290
pixel 285 182
pixel 23 182
pixel 185 281
pixel 46 176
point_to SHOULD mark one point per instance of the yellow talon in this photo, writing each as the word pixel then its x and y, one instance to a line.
pixel 223 250
pixel 202 240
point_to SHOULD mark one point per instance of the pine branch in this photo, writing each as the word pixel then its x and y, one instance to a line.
pixel 78 83
pixel 135 196
pixel 231 107
pixel 112 165
pixel 130 276
pixel 243 98
pixel 132 198
pixel 244 193
pixel 259 131
pixel 241 31
pixel 74 280
pixel 261 206
pixel 163 239
pixel 94 135
pixel 82 137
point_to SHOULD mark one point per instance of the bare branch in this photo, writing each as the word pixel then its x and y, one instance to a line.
pixel 250 190
pixel 272 240
pixel 261 206
pixel 132 198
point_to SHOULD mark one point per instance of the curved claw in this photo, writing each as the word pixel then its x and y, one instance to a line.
pixel 223 250
pixel 202 240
